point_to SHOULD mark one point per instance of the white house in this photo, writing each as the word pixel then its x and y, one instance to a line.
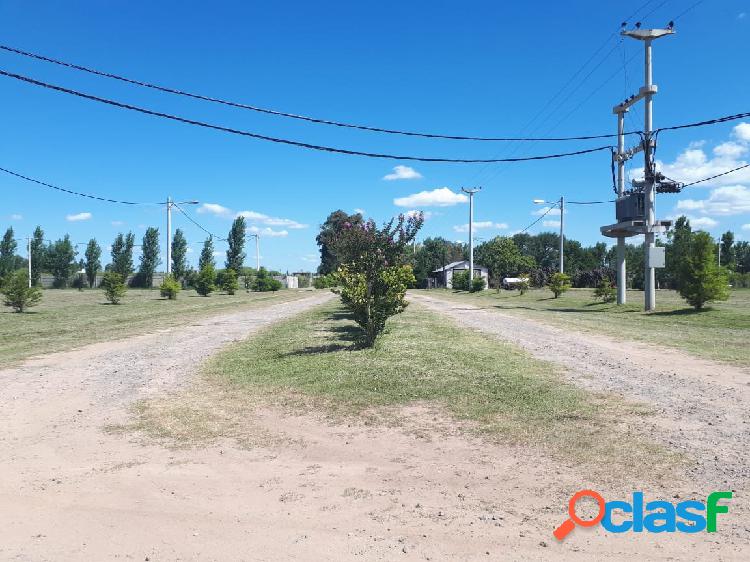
pixel 443 276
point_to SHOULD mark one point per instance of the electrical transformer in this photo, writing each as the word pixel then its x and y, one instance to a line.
pixel 631 207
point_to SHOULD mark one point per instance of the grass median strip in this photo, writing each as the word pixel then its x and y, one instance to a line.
pixel 485 384
pixel 67 319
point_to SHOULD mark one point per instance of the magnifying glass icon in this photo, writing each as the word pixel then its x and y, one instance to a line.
pixel 569 524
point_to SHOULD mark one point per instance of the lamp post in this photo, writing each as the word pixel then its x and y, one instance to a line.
pixel 171 204
pixel 561 203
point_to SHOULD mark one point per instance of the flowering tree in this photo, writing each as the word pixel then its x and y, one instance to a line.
pixel 373 277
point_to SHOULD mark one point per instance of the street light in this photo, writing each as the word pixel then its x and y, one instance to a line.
pixel 561 203
pixel 171 204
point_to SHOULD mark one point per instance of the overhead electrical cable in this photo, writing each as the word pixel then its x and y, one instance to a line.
pixel 540 218
pixel 289 141
pixel 72 192
pixel 239 105
pixel 196 223
pixel 737 169
pixel 715 121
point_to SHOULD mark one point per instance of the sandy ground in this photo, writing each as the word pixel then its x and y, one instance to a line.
pixel 322 490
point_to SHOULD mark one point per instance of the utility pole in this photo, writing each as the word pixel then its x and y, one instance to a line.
pixel 28 250
pixel 471 193
pixel 257 252
pixel 170 203
pixel 622 293
pixel 648 90
pixel 562 234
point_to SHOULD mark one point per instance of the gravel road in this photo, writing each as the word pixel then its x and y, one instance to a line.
pixel 703 407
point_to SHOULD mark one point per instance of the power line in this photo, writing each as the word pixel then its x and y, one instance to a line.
pixel 715 176
pixel 196 223
pixel 288 141
pixel 70 191
pixel 715 121
pixel 540 218
pixel 239 105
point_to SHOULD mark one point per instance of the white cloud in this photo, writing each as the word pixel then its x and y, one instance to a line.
pixel 703 222
pixel 215 209
pixel 268 232
pixel 425 214
pixel 189 250
pixel 481 225
pixel 312 258
pixel 254 216
pixel 724 201
pixel 403 173
pixel 548 211
pixel 742 132
pixel 741 15
pixel 360 211
pixel 117 223
pixel 551 223
pixel 78 217
pixel 16 217
pixel 217 253
pixel 745 226
pixel 440 197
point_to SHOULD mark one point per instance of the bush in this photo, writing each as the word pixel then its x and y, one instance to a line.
pixel 559 283
pixel 229 283
pixel 205 281
pixel 325 281
pixel 460 281
pixel 169 287
pixel 17 292
pixel 264 282
pixel 523 285
pixel 477 284
pixel 605 291
pixel 701 279
pixel 114 286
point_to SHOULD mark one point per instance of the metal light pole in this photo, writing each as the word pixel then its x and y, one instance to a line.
pixel 561 204
pixel 647 91
pixel 471 193
pixel 171 204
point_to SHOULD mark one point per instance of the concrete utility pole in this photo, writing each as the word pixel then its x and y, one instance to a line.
pixel 647 92
pixel 170 203
pixel 257 251
pixel 28 250
pixel 622 279
pixel 471 193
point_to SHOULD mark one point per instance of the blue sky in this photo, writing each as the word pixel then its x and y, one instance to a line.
pixel 479 68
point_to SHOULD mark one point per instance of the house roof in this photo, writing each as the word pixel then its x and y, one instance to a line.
pixel 463 264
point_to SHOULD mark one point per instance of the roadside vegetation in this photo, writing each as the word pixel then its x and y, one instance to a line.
pixel 720 332
pixel 66 319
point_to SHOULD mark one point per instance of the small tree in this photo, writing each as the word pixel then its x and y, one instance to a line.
pixel 61 260
pixel 179 255
pixel 460 281
pixel 169 287
pixel 114 287
pixel 205 281
pixel 229 282
pixel 605 291
pixel 701 279
pixel 523 285
pixel 559 283
pixel 207 254
pixel 17 292
pixel 92 264
pixel 477 284
pixel 265 282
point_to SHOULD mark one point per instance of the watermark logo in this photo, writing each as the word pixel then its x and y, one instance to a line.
pixel 637 516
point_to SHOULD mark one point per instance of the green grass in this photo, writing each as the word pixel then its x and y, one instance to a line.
pixel 721 332
pixel 492 386
pixel 70 318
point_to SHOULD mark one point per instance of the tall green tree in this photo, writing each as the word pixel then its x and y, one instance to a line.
pixel 742 256
pixel 122 254
pixel 701 279
pixel 503 258
pixel 207 254
pixel 38 256
pixel 432 254
pixel 149 257
pixel 236 241
pixel 179 255
pixel 93 263
pixel 61 260
pixel 334 225
pixel 727 250
pixel 8 247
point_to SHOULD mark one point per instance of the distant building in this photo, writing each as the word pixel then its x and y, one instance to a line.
pixel 443 276
pixel 288 281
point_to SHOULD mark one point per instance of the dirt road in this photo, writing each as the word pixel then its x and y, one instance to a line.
pixel 317 490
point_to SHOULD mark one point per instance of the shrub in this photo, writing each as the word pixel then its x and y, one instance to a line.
pixel 114 286
pixel 605 291
pixel 523 285
pixel 229 283
pixel 170 287
pixel 205 281
pixel 701 279
pixel 460 281
pixel 264 282
pixel 325 281
pixel 477 284
pixel 17 292
pixel 373 278
pixel 559 283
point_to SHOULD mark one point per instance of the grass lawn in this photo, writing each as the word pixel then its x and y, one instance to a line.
pixel 721 332
pixel 310 362
pixel 68 318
